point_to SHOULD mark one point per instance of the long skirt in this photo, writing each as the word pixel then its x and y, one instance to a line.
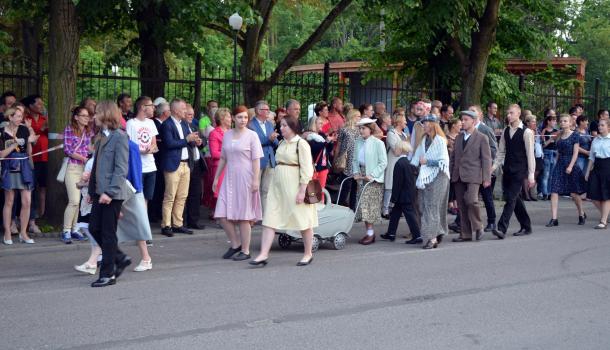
pixel 433 207
pixel 134 224
pixel 370 202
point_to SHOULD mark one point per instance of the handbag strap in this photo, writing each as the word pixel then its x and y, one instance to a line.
pixel 314 164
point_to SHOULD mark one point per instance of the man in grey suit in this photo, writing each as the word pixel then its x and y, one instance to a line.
pixel 470 168
pixel 108 189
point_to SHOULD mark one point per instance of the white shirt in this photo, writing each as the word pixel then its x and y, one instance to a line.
pixel 262 125
pixel 185 152
pixel 142 132
pixel 466 136
pixel 600 147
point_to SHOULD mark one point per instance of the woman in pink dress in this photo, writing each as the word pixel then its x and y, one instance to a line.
pixel 223 123
pixel 239 201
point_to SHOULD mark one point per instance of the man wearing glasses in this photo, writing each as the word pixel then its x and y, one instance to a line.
pixel 269 141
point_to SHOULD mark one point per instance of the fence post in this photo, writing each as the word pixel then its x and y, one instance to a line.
pixel 39 51
pixel 197 99
pixel 433 86
pixel 598 95
pixel 521 88
pixel 325 81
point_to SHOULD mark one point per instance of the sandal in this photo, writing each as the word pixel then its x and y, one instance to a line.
pixel 601 226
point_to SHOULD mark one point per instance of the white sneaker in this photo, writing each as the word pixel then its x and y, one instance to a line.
pixel 86 268
pixel 143 266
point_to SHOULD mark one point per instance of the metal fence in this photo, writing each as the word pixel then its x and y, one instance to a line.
pixel 103 81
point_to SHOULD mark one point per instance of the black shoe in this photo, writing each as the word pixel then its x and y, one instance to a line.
pixel 305 263
pixel 498 233
pixel 554 222
pixel 386 216
pixel 241 257
pixel 581 220
pixel 490 227
pixel 167 232
pixel 479 234
pixel 455 227
pixel 229 254
pixel 430 245
pixel 460 239
pixel 522 232
pixel 439 239
pixel 182 229
pixel 104 281
pixel 121 265
pixel 261 263
pixel 196 226
pixel 417 240
pixel 391 238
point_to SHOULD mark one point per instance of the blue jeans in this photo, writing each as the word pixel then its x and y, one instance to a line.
pixel 550 158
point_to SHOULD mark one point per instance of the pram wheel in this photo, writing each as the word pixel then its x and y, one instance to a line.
pixel 315 244
pixel 284 241
pixel 339 241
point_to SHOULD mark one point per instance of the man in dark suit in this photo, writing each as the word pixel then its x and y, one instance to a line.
pixel 470 167
pixel 177 138
pixel 162 112
pixel 403 197
pixel 107 190
pixel 197 166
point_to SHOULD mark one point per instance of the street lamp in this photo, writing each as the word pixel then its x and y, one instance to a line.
pixel 235 21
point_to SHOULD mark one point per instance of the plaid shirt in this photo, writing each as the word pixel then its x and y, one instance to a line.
pixel 71 140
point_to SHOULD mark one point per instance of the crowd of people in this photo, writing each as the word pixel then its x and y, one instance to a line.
pixel 128 164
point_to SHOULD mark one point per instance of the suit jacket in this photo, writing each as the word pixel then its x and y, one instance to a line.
pixel 173 144
pixel 491 137
pixel 268 146
pixel 403 182
pixel 110 167
pixel 193 151
pixel 471 164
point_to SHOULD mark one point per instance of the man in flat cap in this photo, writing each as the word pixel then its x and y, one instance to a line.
pixel 470 168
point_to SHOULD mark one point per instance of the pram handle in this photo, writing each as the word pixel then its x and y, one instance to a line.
pixel 341 188
pixel 360 199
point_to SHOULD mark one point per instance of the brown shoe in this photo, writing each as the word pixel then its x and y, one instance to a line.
pixel 366 240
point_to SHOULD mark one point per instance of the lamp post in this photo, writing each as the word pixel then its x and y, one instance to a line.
pixel 235 21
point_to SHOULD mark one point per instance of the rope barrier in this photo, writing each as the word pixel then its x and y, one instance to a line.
pixel 55 148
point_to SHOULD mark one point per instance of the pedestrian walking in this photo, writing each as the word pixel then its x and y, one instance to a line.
pixel 516 156
pixel 286 208
pixel 369 164
pixel 598 173
pixel 567 178
pixel 432 182
pixel 239 199
pixel 470 169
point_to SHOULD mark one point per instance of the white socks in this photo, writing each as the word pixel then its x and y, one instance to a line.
pixel 370 232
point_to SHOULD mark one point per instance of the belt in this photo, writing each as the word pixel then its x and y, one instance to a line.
pixel 184 160
pixel 279 163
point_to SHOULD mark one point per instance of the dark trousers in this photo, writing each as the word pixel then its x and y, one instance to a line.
pixel 409 212
pixel 350 188
pixel 103 225
pixel 193 201
pixel 154 206
pixel 488 199
pixel 511 186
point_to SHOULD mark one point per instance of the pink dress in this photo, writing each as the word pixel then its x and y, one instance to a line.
pixel 236 201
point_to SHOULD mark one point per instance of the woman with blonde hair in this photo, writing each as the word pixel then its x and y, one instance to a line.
pixel 346 141
pixel 17 172
pixel 432 157
pixel 394 136
pixel 566 177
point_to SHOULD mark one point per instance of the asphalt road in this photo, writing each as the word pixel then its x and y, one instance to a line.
pixel 550 290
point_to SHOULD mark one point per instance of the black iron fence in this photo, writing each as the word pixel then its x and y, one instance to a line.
pixel 103 81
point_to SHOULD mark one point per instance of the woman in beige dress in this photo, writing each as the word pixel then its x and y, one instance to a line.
pixel 285 208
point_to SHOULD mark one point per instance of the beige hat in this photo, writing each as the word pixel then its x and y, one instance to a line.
pixel 365 121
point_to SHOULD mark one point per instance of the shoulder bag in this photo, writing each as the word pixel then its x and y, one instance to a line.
pixel 61 175
pixel 313 192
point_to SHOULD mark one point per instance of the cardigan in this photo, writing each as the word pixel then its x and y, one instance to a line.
pixel 375 157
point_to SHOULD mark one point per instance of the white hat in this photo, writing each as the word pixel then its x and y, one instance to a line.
pixel 365 121
pixel 159 100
